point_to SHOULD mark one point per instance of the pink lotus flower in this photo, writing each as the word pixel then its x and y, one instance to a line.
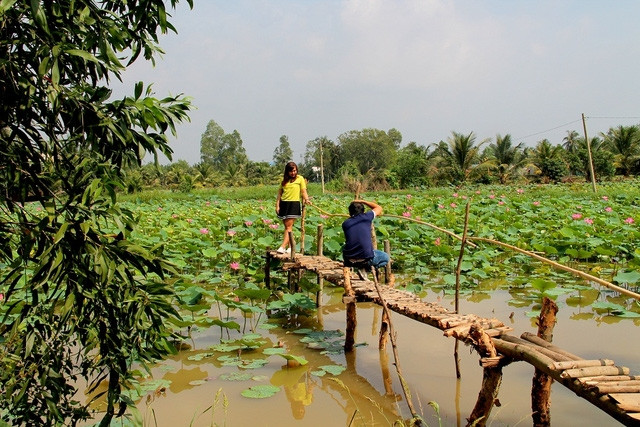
pixel 455 194
pixel 492 196
pixel 453 205
pixel 536 203
pixel 159 208
pixel 231 233
pixel 234 266
pixel 266 221
pixel 501 202
pixel 207 204
pixel 248 223
pixel 464 197
pixel 440 206
pixel 204 231
pixel 1 297
pixel 174 216
pixel 274 226
pixel 189 220
pixel 477 191
pixel 323 216
pixel 605 198
pixel 629 220
pixel 406 214
pixel 608 209
pixel 409 196
pixel 588 221
pixel 520 191
pixel 576 216
pixel 437 241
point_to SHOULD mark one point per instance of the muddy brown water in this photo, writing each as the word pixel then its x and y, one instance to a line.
pixel 368 392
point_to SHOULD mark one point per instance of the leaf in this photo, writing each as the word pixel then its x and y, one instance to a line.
pixel 260 391
pixel 333 369
pixel 627 277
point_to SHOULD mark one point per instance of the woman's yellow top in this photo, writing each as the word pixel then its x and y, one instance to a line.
pixel 291 190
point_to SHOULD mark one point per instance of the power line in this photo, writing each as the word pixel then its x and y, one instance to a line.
pixel 627 117
pixel 549 130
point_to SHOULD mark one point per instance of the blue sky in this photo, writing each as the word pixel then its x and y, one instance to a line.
pixel 311 68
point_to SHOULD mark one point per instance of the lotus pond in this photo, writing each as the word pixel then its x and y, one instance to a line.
pixel 267 357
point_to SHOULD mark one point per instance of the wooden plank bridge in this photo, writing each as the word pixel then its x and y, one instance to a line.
pixel 611 388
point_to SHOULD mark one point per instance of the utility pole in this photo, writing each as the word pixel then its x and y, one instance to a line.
pixel 586 138
pixel 321 167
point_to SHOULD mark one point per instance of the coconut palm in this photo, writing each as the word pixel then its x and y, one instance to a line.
pixel 571 141
pixel 547 159
pixel 505 158
pixel 624 143
pixel 458 157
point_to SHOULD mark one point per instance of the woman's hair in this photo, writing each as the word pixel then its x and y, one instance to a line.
pixel 288 168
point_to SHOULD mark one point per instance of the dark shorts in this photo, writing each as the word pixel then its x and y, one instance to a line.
pixel 289 209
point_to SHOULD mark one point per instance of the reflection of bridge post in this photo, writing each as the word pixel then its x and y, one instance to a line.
pixel 319 245
pixel 386 375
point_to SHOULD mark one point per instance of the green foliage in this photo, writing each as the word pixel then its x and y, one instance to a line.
pixel 76 287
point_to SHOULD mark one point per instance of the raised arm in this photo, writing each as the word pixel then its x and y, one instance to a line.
pixel 373 205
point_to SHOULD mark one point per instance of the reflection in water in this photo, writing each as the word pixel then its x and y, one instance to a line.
pixel 368 393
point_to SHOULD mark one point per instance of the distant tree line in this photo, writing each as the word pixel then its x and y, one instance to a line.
pixel 376 159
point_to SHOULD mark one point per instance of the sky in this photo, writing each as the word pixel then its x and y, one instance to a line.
pixel 313 68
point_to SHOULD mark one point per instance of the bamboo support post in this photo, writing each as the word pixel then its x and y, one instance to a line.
pixel 491 377
pixel 459 265
pixel 267 271
pixel 388 279
pixel 291 279
pixel 302 234
pixel 349 299
pixel 541 383
pixel 319 252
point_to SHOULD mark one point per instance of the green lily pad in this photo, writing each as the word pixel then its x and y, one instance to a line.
pixel 260 391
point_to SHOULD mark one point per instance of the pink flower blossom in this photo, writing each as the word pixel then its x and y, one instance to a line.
pixel 174 216
pixel 231 233
pixel 204 231
pixel 608 209
pixel 629 220
pixel 266 221
pixel 159 208
pixel 274 226
pixel 248 223
pixel 453 205
pixel 207 203
pixel 323 216
pixel 406 214
pixel 492 196
pixel 409 196
pixel 455 194
pixel 234 266
pixel 576 216
pixel 536 203
pixel 464 197
pixel 588 221
pixel 520 190
pixel 1 297
pixel 605 198
pixel 579 207
pixel 437 241
pixel 477 191
pixel 189 220
pixel 440 206
pixel 501 202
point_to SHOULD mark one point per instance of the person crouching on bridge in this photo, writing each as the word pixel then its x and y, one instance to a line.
pixel 358 250
pixel 293 190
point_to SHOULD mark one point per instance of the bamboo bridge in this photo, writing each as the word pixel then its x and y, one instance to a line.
pixel 609 387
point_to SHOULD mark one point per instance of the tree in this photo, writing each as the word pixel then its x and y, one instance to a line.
pixel 548 161
pixel 283 153
pixel 223 151
pixel 506 159
pixel 624 143
pixel 370 149
pixel 331 159
pixel 412 166
pixel 603 160
pixel 458 157
pixel 76 289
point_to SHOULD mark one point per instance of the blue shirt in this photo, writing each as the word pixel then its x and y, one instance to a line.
pixel 357 233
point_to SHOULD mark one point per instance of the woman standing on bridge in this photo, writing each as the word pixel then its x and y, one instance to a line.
pixel 292 191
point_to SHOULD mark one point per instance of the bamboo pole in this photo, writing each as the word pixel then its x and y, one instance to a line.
pixel 561 267
pixel 302 234
pixel 491 378
pixel 319 250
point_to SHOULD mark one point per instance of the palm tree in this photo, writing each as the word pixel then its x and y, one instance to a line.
pixel 571 141
pixel 507 159
pixel 624 143
pixel 458 157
